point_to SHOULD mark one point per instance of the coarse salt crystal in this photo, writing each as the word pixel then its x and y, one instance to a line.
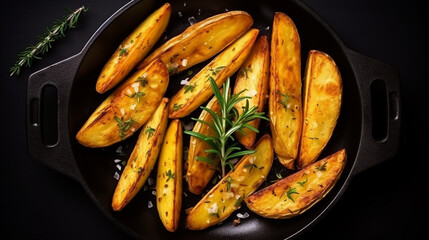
pixel 184 82
pixel 150 181
pixel 199 11
pixel 191 20
pixel 117 160
pixel 213 208
pixel 244 169
pixel 118 167
pixel 184 62
pixel 243 216
pixel 119 149
pixel 129 92
pixel 149 204
pixel 154 192
pixel 132 107
pixel 116 176
pixel 267 28
pixel 184 4
pixel 180 14
pixel 319 173
pixel 122 111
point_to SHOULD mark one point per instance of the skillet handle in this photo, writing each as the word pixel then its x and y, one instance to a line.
pixel 379 87
pixel 47 116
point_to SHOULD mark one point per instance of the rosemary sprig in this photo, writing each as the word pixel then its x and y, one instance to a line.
pixel 226 124
pixel 26 57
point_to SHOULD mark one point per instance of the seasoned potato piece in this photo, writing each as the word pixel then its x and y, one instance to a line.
pixel 201 41
pixel 253 79
pixel 133 49
pixel 199 90
pixel 127 108
pixel 169 177
pixel 199 173
pixel 226 197
pixel 285 89
pixel 321 103
pixel 298 192
pixel 143 158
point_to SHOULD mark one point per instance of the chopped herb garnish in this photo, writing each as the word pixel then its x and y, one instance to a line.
pixel 215 214
pixel 228 183
pixel 137 95
pixel 124 163
pixel 246 71
pixel 142 81
pixel 123 125
pixel 149 131
pixel 238 202
pixel 122 51
pixel 302 182
pixel 290 192
pixel 170 174
pixel 176 107
pixel 250 166
pixel 216 70
pixel 132 41
pixel 190 72
pixel 189 88
pixel 140 170
pixel 172 70
pixel 321 167
pixel 279 176
pixel 284 100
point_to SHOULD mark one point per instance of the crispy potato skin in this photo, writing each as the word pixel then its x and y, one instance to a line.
pixel 133 49
pixel 169 177
pixel 220 68
pixel 322 105
pixel 142 159
pixel 221 201
pixel 199 173
pixel 253 78
pixel 201 41
pixel 285 89
pixel 296 193
pixel 131 100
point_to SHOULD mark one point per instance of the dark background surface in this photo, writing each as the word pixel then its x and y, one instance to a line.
pixel 383 202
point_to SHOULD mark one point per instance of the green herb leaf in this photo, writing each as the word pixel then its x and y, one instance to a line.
pixel 321 167
pixel 189 88
pixel 301 183
pixel 149 131
pixel 284 100
pixel 142 80
pixel 290 192
pixel 170 174
pixel 228 183
pixel 123 125
pixel 176 107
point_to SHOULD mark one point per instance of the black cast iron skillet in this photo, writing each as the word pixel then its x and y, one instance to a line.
pixel 368 127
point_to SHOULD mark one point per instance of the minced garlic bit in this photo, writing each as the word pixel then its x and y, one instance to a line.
pixel 213 209
pixel 118 167
pixel 184 62
pixel 136 86
pixel 122 111
pixel 132 107
pixel 184 81
pixel 117 160
pixel 191 20
pixel 116 176
pixel 129 92
pixel 253 93
pixel 154 192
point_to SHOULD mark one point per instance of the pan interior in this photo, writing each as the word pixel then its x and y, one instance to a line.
pixel 97 166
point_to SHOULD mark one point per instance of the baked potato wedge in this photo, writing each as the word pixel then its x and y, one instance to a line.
pixel 285 89
pixel 225 64
pixel 252 79
pixel 199 173
pixel 143 157
pixel 298 192
pixel 169 177
pixel 321 105
pixel 127 108
pixel 133 49
pixel 228 194
pixel 201 41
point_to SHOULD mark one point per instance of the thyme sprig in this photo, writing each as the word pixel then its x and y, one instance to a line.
pixel 26 57
pixel 225 125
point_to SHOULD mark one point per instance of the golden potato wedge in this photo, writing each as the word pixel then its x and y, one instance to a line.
pixel 201 41
pixel 226 197
pixel 133 49
pixel 321 105
pixel 143 157
pixel 199 90
pixel 253 78
pixel 285 89
pixel 127 108
pixel 169 177
pixel 298 192
pixel 199 173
